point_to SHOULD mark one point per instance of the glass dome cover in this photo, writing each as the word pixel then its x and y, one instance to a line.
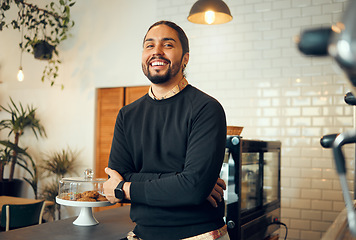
pixel 82 189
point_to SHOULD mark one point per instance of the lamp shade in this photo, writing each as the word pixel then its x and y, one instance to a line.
pixel 210 12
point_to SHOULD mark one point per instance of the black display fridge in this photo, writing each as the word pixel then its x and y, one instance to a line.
pixel 252 171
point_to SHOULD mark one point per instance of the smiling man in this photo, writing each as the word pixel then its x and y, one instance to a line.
pixel 168 149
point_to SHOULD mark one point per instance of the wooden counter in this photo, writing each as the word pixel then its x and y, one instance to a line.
pixel 113 224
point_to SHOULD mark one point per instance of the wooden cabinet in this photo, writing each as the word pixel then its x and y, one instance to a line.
pixel 109 102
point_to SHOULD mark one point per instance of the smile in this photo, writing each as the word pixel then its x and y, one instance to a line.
pixel 158 63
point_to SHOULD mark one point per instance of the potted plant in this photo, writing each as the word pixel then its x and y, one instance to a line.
pixel 5 158
pixel 42 50
pixel 45 28
pixel 13 188
pixel 21 119
pixel 58 165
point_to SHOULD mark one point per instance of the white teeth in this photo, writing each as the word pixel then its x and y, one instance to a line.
pixel 158 64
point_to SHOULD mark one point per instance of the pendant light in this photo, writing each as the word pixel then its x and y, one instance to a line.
pixel 210 12
pixel 20 75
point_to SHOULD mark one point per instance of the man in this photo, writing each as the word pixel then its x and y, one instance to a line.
pixel 168 148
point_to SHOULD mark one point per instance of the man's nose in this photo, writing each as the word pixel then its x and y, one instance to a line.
pixel 158 50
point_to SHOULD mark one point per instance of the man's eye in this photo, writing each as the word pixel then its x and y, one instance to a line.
pixel 168 45
pixel 149 46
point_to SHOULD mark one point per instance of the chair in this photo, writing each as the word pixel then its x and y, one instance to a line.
pixel 21 215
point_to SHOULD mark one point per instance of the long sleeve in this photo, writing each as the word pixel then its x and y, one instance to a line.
pixel 204 156
pixel 171 151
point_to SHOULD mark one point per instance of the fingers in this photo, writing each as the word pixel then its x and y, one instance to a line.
pixel 218 196
pixel 109 171
pixel 113 174
pixel 110 185
pixel 221 183
pixel 217 193
pixel 212 201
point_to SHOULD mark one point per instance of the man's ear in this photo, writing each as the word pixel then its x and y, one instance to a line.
pixel 185 59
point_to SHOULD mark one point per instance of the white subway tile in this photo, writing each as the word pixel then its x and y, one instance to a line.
pixel 330 173
pixel 323 163
pixel 271 15
pixel 285 182
pixel 311 131
pixel 291 13
pixel 300 203
pixel 329 216
pixel 300 224
pixel 285 202
pixel 344 121
pixel 301 3
pixel 284 4
pixel 293 233
pixel 311 11
pixel 301 121
pixel 301 21
pixel 322 19
pixel 322 121
pixel 332 8
pixel 338 206
pixel 314 173
pixel 263 7
pixel 332 195
pixel 310 235
pixel 278 24
pixel 291 152
pixel 290 172
pixel 322 205
pixel 311 214
pixel 253 17
pixel 321 101
pixel 311 111
pixel 322 80
pixel 310 193
pixel 262 44
pixel 281 62
pixel 322 184
pixel 290 192
pixel 262 26
pixel 290 213
pixel 320 226
pixel 296 132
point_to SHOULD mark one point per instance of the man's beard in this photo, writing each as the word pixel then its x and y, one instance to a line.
pixel 159 79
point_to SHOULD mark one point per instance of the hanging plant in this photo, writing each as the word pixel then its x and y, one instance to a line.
pixel 43 30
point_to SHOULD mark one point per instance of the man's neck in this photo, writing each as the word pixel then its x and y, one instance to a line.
pixel 160 90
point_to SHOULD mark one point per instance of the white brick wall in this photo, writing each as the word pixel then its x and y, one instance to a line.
pixel 252 66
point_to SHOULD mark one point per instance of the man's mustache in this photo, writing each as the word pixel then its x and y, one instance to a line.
pixel 161 58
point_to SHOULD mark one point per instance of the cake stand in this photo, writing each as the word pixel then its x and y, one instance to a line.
pixel 86 217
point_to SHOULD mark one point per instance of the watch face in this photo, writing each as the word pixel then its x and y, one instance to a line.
pixel 119 194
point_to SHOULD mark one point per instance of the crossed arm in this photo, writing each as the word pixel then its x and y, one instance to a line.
pixel 215 196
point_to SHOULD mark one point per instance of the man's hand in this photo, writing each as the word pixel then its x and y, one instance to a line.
pixel 111 183
pixel 218 193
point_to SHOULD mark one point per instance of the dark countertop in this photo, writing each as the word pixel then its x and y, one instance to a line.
pixel 113 224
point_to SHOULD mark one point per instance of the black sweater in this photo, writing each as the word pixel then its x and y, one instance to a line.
pixel 172 151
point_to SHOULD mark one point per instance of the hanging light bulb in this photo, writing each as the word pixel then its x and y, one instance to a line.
pixel 209 17
pixel 209 12
pixel 20 75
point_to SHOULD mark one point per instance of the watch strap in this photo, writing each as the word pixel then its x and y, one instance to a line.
pixel 120 185
pixel 119 192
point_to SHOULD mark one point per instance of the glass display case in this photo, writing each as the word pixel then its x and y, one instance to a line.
pixel 252 171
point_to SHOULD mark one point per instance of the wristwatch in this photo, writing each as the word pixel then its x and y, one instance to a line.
pixel 119 192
